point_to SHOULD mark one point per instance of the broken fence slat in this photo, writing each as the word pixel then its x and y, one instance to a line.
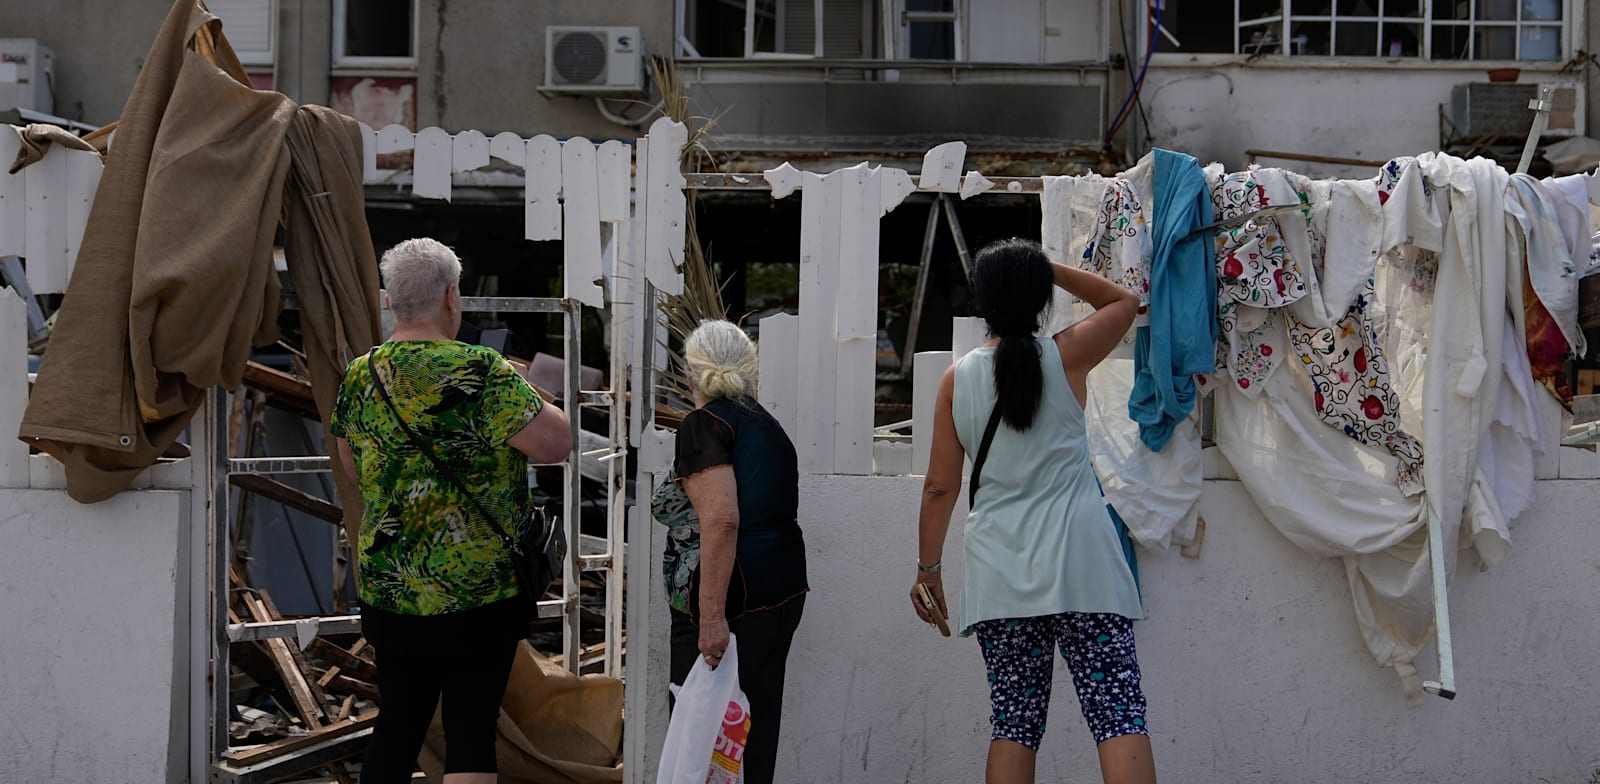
pixel 664 219
pixel 431 165
pixel 541 211
pixel 469 151
pixel 580 244
pixel 369 153
pixel 509 147
pixel 394 138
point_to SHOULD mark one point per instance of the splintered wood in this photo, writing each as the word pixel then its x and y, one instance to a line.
pixel 324 687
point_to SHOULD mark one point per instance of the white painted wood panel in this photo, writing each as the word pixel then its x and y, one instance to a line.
pixel 13 199
pixel 46 244
pixel 856 319
pixel 927 368
pixel 469 150
pixel 14 470
pixel 394 138
pixel 819 275
pixel 664 221
pixel 430 168
pixel 941 167
pixel 542 206
pixel 369 153
pixel 779 357
pixel 967 333
pixel 580 245
pixel 83 179
pixel 613 159
pixel 644 315
pixel 509 147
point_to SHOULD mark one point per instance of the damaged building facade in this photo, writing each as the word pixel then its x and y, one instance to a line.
pixel 1255 669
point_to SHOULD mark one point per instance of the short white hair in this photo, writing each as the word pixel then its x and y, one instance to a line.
pixel 415 275
pixel 721 359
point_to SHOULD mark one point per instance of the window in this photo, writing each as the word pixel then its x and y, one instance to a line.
pixel 375 34
pixel 1440 30
pixel 931 29
pixel 777 28
pixel 249 27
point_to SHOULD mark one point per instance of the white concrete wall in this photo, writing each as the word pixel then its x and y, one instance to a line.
pixel 93 638
pixel 1252 662
pixel 1369 112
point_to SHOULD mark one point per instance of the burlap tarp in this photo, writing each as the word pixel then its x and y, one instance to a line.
pixel 175 281
pixel 555 727
pixel 36 140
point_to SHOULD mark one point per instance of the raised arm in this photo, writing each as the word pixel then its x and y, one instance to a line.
pixel 1084 344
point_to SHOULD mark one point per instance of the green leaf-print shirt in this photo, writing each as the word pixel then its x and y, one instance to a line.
pixel 425 549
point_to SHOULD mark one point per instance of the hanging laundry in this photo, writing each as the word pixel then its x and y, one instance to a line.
pixel 1349 372
pixel 1179 341
pixel 1121 247
pixel 1260 268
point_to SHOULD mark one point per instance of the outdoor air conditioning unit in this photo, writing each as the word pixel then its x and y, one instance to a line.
pixel 606 61
pixel 1501 109
pixel 27 70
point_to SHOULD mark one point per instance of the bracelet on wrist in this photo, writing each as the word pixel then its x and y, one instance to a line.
pixel 933 569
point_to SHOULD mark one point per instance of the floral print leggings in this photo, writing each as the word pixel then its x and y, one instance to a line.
pixel 1098 647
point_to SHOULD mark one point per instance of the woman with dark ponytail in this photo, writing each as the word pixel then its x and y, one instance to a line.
pixel 1044 568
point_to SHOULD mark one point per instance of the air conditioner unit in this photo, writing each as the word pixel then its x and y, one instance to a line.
pixel 1501 109
pixel 593 61
pixel 27 73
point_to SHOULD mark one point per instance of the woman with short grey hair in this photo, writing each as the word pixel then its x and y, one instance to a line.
pixel 439 595
pixel 735 560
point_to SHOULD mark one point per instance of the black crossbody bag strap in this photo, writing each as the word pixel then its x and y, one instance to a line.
pixel 427 451
pixel 983 453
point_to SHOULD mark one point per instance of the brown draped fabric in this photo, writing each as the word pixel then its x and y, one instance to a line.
pixel 175 280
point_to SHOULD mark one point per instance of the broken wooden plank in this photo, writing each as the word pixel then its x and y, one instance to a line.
pixel 293 498
pixel 345 661
pixel 283 390
pixel 345 684
pixel 283 747
pixel 304 693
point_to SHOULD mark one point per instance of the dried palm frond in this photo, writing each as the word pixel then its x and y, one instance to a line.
pixel 702 294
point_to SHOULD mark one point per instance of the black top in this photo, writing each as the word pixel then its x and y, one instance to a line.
pixel 770 566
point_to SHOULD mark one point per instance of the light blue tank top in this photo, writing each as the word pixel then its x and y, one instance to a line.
pixel 1039 540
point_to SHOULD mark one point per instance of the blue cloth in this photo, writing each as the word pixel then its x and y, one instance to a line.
pixel 1180 340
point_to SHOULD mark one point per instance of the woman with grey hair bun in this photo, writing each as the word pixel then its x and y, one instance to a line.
pixel 440 601
pixel 735 560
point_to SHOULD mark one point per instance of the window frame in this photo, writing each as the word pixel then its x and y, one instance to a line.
pixel 1573 19
pixel 258 60
pixel 954 17
pixel 343 63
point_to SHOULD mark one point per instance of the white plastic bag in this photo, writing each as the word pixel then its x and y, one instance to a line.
pixel 710 724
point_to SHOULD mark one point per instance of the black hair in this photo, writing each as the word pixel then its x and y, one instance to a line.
pixel 1012 283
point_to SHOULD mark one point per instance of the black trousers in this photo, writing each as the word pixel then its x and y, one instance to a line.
pixel 463 660
pixel 764 637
